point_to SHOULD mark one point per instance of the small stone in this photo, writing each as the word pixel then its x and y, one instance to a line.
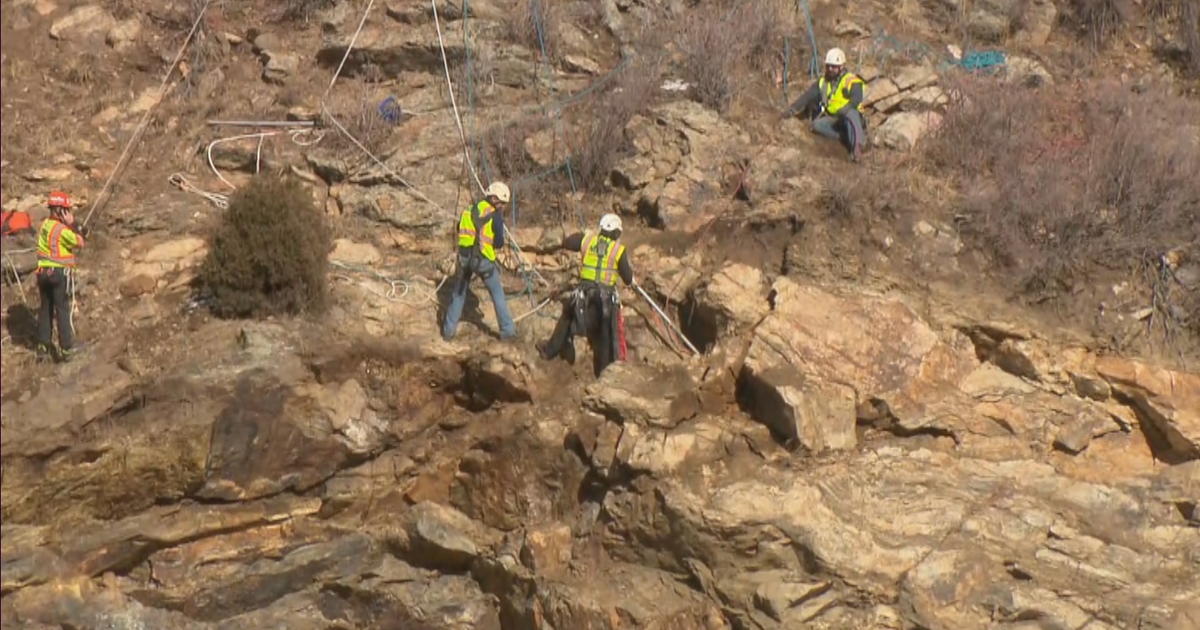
pixel 347 251
pixel 56 174
pixel 138 285
pixel 81 23
pixel 579 63
pixel 123 33
pixel 280 67
pixel 912 77
pixel 266 43
pixel 902 131
pixel 846 28
pixel 880 90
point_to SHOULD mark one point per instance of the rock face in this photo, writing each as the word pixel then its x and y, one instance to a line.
pixel 846 450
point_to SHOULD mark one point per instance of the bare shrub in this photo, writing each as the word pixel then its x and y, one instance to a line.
pixel 719 50
pixel 1067 186
pixel 535 24
pixel 270 253
pixel 502 147
pixel 1099 19
pixel 357 109
pixel 301 10
pixel 599 140
pixel 1185 15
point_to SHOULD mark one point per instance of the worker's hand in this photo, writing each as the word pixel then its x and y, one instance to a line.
pixel 69 218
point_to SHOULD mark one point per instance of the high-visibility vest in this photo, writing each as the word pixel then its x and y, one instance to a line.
pixel 57 244
pixel 469 233
pixel 601 255
pixel 837 97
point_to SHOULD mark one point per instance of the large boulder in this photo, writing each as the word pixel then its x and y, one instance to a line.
pixel 270 439
pixel 817 344
pixel 902 131
pixel 637 393
pixel 1167 402
pixel 441 537
pixel 935 533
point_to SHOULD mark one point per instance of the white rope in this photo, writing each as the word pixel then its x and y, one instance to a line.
pixel 162 92
pixel 260 135
pixel 454 105
pixel 180 181
pixel 349 47
pixel 534 309
pixel 16 276
pixel 666 319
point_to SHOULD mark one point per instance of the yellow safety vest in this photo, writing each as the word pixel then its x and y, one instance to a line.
pixel 837 97
pixel 469 233
pixel 57 244
pixel 601 255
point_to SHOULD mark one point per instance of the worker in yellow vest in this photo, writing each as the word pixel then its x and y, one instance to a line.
pixel 835 102
pixel 594 308
pixel 480 234
pixel 58 239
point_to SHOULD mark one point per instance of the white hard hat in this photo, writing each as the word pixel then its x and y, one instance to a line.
pixel 610 223
pixel 835 57
pixel 499 191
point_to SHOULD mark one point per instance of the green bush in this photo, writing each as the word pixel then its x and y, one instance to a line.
pixel 270 254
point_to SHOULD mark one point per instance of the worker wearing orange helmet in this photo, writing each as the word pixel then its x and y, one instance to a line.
pixel 58 240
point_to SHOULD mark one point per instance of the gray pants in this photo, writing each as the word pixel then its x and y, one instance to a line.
pixel 851 123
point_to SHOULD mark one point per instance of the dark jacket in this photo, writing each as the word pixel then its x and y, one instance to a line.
pixel 810 100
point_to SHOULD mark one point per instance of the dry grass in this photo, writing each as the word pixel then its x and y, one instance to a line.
pixel 720 51
pixel 356 106
pixel 301 10
pixel 1100 19
pixel 599 140
pixel 536 25
pixel 1064 187
pixel 270 253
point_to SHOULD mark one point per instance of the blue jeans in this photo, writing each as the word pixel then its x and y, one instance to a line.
pixel 469 266
pixel 831 127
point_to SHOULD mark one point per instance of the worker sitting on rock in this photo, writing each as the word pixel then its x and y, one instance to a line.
pixel 58 238
pixel 594 308
pixel 835 103
pixel 480 234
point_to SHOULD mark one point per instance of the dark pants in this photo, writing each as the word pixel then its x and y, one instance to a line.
pixel 56 304
pixel 850 129
pixel 592 311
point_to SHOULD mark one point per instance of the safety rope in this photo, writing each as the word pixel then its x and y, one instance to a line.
pixel 450 89
pixel 349 47
pixel 101 199
pixel 814 64
pixel 180 181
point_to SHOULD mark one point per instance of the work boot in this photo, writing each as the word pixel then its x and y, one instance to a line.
pixel 66 354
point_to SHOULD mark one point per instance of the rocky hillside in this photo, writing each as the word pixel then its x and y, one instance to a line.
pixel 887 426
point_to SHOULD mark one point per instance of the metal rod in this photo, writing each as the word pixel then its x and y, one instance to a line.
pixel 263 123
pixel 667 319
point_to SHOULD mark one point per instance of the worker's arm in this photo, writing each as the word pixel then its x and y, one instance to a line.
pixel 498 230
pixel 625 268
pixel 574 242
pixel 71 238
pixel 856 97
pixel 810 97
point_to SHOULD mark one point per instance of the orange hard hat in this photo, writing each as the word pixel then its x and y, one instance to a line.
pixel 59 199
